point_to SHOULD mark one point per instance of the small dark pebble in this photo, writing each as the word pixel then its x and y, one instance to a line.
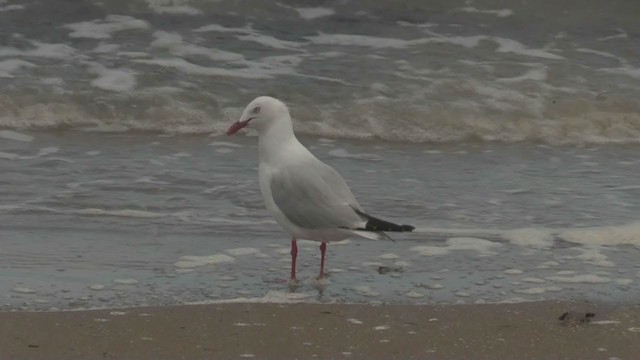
pixel 33 346
pixel 574 318
pixel 387 269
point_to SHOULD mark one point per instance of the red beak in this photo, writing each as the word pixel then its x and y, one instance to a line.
pixel 237 126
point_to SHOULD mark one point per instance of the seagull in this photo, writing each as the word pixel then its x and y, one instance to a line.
pixel 305 196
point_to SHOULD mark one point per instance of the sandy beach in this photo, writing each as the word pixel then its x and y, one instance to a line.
pixel 326 331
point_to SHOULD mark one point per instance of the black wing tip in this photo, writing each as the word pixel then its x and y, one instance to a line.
pixel 380 225
pixel 407 228
pixel 375 224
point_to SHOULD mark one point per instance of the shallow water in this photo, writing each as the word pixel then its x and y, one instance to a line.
pixel 507 135
pixel 91 219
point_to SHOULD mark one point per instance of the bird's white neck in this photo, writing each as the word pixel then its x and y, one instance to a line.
pixel 276 141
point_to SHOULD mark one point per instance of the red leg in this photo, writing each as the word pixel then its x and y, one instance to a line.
pixel 323 249
pixel 294 255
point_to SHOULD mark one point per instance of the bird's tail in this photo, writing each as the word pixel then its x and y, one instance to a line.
pixel 375 224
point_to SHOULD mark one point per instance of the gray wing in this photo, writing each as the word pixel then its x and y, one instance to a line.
pixel 313 195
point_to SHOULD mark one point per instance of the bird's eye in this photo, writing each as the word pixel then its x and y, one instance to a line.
pixel 256 109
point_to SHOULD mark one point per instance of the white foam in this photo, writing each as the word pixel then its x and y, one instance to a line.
pixel 388 256
pixel 12 7
pixel 269 41
pixel 125 281
pixel 43 50
pixel 8 67
pixel 584 279
pixel 344 154
pixel 366 291
pixel 225 144
pixel 177 46
pixel 102 29
pixel 357 40
pixel 536 74
pixel 538 290
pixel 243 251
pixel 415 294
pixel 532 280
pixel 194 69
pixel 483 247
pixel 381 327
pixel 192 261
pixel 16 136
pixel 120 80
pixel 220 28
pixel 530 237
pixel 121 213
pixel 498 13
pixel 176 9
pixel 515 47
pixel 273 296
pixel 593 255
pixel 249 34
pixel 621 35
pixel 97 287
pixel 314 12
pixel 106 48
pixel 513 271
pixel 354 321
pixel 624 70
pixel 23 290
pixel 48 151
pixel 604 235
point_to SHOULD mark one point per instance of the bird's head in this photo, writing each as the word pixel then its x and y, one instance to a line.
pixel 261 114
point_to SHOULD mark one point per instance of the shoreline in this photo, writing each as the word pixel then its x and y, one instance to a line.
pixel 528 330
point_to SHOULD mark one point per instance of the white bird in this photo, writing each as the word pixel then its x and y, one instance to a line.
pixel 307 197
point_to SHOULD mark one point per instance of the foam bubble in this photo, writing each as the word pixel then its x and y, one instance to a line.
pixel 344 154
pixel 538 290
pixel 23 290
pixel 243 251
pixel 272 296
pixel 498 13
pixel 513 271
pixel 189 261
pixel 120 80
pixel 536 74
pixel 357 40
pixel 593 255
pixel 530 237
pixel 414 294
pixel 16 136
pixel 11 7
pixel 224 144
pixel 122 213
pixel 512 46
pixel 125 281
pixel 102 29
pixel 160 8
pixel 585 279
pixel 314 12
pixel 366 291
pixel 8 67
pixel 605 235
pixel 354 321
pixel 484 247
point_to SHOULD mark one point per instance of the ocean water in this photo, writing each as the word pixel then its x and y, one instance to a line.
pixel 507 133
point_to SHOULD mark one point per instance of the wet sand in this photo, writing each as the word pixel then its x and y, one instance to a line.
pixel 326 331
